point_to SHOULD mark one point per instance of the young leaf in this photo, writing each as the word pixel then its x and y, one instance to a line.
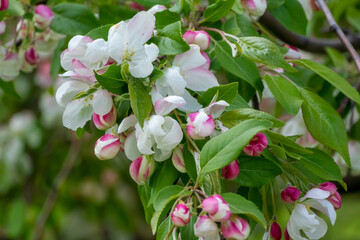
pixel 338 58
pixel 111 80
pixel 150 3
pixel 240 66
pixel 164 229
pixel 112 14
pixel 100 32
pixel 9 88
pixel 73 19
pixel 144 193
pixel 286 142
pixel 190 165
pixel 170 41
pixel 140 100
pixel 165 18
pixel 238 102
pixel 218 10
pixel 285 93
pixel 262 50
pixel 324 123
pixel 232 118
pixel 332 77
pixel 187 232
pixel 256 171
pixel 224 92
pixel 224 148
pixel 239 205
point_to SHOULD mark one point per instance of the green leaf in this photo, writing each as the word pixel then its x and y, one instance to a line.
pixel 190 165
pixel 55 60
pixel 165 175
pixel 164 229
pixel 187 232
pixel 15 9
pixel 224 148
pixel 240 66
pixel 324 123
pixel 262 50
pixel 111 80
pixel 285 93
pixel 170 41
pixel 165 18
pixel 140 100
pixel 322 165
pixel 111 14
pixel 286 142
pixel 167 194
pixel 73 19
pixel 150 3
pixel 240 25
pixel 9 88
pixel 332 77
pixel 353 17
pixel 339 60
pixel 218 10
pixel 232 118
pixel 272 4
pixel 256 171
pixel 278 151
pixel 292 15
pixel 100 32
pixel 144 193
pixel 240 205
pixel 224 92
pixel 15 218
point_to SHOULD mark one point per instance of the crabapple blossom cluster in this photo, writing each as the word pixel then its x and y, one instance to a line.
pixel 32 41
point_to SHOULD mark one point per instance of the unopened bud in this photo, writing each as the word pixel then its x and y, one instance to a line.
pixel 178 159
pixel 257 144
pixel 217 208
pixel 181 215
pixel 31 59
pixel 335 200
pixel 292 53
pixel 200 38
pixel 329 187
pixel 106 121
pixel 4 4
pixel 231 171
pixel 141 169
pixel 286 235
pixel 107 146
pixel 235 228
pixel 290 194
pixel 200 125
pixel 43 16
pixel 255 8
pixel 275 231
pixel 206 228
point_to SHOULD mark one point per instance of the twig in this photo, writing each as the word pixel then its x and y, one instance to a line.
pixel 58 182
pixel 316 45
pixel 355 56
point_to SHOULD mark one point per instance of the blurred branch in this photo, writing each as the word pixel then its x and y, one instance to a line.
pixel 310 44
pixel 65 170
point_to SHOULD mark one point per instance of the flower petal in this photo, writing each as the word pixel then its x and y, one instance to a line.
pixel 76 114
pixel 130 147
pixel 96 51
pixel 140 69
pixel 140 28
pixel 127 122
pixel 217 108
pixel 118 41
pixel 190 59
pixel 323 206
pixel 316 193
pixel 102 102
pixel 67 91
pixel 171 82
pixel 154 125
pixel 199 79
pixel 166 105
pixel 192 105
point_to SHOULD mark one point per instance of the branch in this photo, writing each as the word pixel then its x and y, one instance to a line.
pixel 310 44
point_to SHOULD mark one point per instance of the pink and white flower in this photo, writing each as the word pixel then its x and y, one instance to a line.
pixel 231 171
pixel 43 16
pixel 2 27
pixel 181 215
pixel 257 144
pixel 334 198
pixel 255 8
pixel 10 64
pixel 126 42
pixel 4 4
pixel 200 38
pixel 200 125
pixel 217 208
pixel 235 228
pixel 104 122
pixel 290 194
pixel 178 159
pixel 141 169
pixel 107 146
pixel 189 70
pixel 206 229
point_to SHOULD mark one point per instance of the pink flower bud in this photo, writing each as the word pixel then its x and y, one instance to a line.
pixel 4 4
pixel 43 16
pixel 335 200
pixel 231 171
pixel 286 235
pixel 200 125
pixel 107 146
pixel 141 169
pixel 136 6
pixel 181 215
pixel 178 159
pixel 328 186
pixel 255 8
pixel 290 194
pixel 200 38
pixel 235 228
pixel 275 231
pixel 2 27
pixel 32 57
pixel 257 144
pixel 106 121
pixel 217 208
pixel 292 53
pixel 206 228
